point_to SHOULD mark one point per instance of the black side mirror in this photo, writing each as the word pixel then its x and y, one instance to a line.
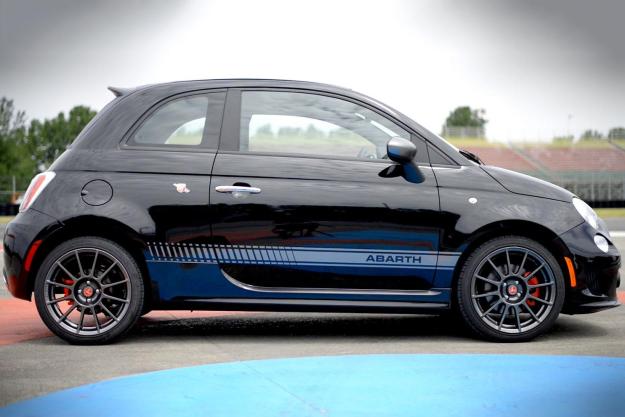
pixel 401 150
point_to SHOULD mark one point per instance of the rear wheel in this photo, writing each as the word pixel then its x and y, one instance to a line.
pixel 510 289
pixel 89 290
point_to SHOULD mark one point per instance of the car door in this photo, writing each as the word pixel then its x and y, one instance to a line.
pixel 170 152
pixel 303 198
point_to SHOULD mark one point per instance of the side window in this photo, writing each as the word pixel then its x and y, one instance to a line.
pixel 311 124
pixel 438 158
pixel 192 121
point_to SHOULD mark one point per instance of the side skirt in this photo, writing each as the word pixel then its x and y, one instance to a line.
pixel 336 306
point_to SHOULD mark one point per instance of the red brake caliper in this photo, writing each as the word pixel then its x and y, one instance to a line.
pixel 67 291
pixel 535 292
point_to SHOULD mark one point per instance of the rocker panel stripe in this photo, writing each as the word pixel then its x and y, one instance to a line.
pixel 299 256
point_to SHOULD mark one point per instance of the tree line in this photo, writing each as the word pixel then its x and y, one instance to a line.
pixel 29 148
pixel 464 117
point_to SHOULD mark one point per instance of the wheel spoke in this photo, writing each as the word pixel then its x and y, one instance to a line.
pixel 95 259
pixel 110 297
pixel 540 300
pixel 529 310
pixel 486 294
pixel 509 265
pixel 536 270
pixel 518 319
pixel 82 272
pixel 58 300
pixel 113 316
pixel 503 317
pixel 106 271
pixel 67 313
pixel 501 277
pixel 81 320
pixel 490 281
pixel 491 308
pixel 59 284
pixel 544 284
pixel 104 286
pixel 522 263
pixel 95 317
pixel 60 265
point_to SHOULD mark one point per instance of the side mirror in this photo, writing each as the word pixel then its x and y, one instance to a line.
pixel 401 150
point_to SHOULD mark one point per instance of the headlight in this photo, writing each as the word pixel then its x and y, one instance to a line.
pixel 602 243
pixel 586 212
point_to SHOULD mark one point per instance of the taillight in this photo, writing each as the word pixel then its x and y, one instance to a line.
pixel 35 188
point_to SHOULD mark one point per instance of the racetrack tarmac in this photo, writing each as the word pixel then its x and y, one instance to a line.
pixel 358 386
pixel 34 363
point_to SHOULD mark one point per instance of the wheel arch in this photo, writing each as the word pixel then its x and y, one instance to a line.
pixel 96 226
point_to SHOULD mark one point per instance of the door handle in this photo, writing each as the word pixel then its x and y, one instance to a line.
pixel 237 189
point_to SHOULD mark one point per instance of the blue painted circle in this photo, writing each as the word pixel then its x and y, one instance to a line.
pixel 369 385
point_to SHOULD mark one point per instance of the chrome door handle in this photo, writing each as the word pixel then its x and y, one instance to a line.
pixel 237 189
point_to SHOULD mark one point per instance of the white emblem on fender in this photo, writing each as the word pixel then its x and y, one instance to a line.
pixel 181 188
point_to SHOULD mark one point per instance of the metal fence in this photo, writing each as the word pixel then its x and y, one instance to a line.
pixel 463 132
pixel 11 187
pixel 600 189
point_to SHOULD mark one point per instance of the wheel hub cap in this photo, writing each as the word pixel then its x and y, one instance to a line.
pixel 88 291
pixel 513 290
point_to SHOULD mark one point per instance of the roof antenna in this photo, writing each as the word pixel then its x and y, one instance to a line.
pixel 119 91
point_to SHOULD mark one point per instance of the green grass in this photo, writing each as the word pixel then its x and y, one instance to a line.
pixel 584 144
pixel 611 212
pixel 473 143
pixel 6 219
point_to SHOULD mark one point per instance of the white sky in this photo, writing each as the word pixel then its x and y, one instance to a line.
pixel 530 65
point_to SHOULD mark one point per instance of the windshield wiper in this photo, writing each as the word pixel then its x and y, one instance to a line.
pixel 473 157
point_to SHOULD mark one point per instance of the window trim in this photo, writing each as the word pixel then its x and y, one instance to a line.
pixel 204 146
pixel 231 129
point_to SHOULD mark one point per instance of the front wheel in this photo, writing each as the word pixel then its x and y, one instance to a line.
pixel 89 290
pixel 510 289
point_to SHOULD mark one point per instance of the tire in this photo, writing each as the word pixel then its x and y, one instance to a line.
pixel 89 291
pixel 510 289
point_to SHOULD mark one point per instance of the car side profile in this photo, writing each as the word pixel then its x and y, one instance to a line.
pixel 278 195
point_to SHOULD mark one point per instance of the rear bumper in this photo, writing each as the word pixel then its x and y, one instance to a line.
pixel 597 272
pixel 20 234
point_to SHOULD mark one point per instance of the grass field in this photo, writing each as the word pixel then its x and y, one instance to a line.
pixel 585 144
pixel 5 219
pixel 610 212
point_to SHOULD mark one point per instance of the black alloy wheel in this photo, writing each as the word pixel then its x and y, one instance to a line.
pixel 89 291
pixel 510 289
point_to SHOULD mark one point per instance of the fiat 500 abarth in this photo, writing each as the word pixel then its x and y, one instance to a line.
pixel 294 196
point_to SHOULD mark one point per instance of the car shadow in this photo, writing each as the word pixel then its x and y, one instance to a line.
pixel 331 325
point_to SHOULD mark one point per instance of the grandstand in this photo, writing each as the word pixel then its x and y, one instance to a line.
pixel 593 170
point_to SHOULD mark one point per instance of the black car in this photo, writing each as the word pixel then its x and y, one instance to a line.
pixel 294 196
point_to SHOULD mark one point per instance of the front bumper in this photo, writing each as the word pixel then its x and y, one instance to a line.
pixel 19 236
pixel 597 272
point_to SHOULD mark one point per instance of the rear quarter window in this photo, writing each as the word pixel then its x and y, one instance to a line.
pixel 186 122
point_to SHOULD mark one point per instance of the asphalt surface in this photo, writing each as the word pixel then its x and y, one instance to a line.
pixel 47 364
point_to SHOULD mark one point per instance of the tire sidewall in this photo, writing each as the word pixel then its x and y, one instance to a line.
pixel 136 287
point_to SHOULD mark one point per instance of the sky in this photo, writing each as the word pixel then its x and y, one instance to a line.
pixel 540 68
